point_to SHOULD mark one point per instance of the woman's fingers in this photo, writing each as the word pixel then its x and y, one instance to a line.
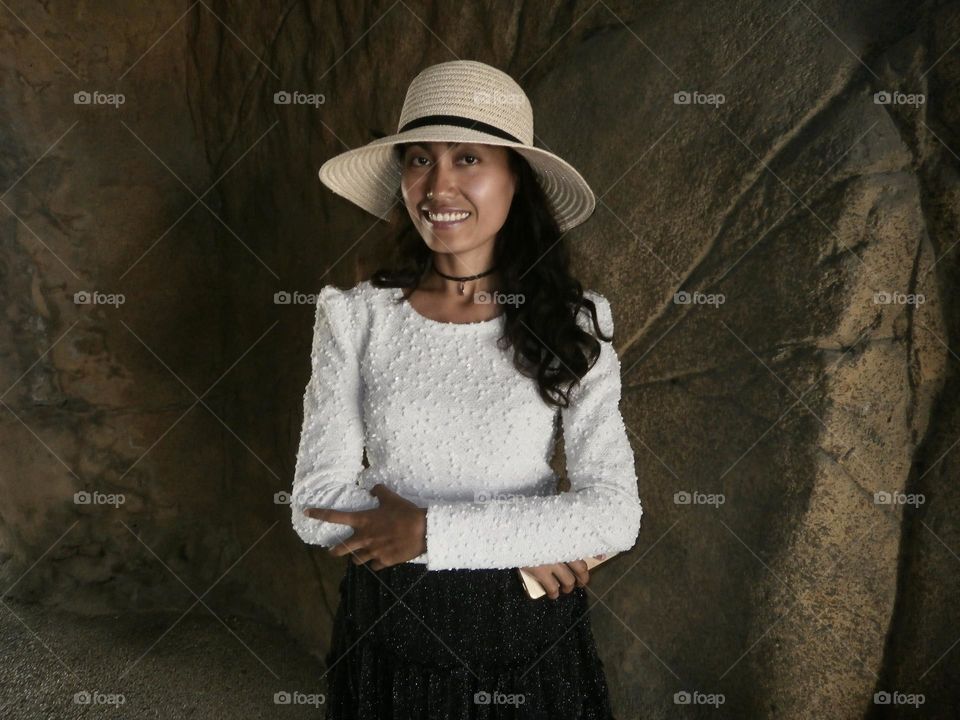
pixel 580 571
pixel 557 577
pixel 545 577
pixel 554 578
pixel 568 581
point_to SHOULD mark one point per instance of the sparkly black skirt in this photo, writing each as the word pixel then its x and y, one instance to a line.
pixel 409 643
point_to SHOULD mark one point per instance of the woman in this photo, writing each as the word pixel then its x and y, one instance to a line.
pixel 452 371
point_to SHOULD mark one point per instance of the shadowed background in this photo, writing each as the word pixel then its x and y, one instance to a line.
pixel 791 167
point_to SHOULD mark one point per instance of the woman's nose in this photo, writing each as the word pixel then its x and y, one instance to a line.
pixel 441 180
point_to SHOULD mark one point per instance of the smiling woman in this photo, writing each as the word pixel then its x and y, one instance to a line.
pixel 444 187
pixel 452 368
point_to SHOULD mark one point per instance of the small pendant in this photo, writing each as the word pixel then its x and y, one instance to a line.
pixel 460 287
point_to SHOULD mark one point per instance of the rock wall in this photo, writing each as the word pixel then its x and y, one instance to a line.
pixel 786 198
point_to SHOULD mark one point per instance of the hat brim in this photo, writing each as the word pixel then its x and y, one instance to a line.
pixel 369 176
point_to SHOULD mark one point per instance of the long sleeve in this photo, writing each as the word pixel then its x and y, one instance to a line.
pixel 330 455
pixel 601 512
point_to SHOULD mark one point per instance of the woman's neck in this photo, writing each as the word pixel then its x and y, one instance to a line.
pixel 434 282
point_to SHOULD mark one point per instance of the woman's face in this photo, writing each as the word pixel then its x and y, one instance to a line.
pixel 472 186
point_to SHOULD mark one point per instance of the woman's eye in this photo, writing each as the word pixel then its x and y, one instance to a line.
pixel 414 160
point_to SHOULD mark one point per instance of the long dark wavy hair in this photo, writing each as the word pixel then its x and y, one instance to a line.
pixel 533 261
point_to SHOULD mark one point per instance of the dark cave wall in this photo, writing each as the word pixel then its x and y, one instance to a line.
pixel 800 397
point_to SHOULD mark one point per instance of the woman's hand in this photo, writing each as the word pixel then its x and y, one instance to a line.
pixel 561 576
pixel 390 534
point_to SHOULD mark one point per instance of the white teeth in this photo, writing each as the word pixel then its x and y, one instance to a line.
pixel 447 217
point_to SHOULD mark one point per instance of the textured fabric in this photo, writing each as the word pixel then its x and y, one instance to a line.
pixel 449 423
pixel 411 643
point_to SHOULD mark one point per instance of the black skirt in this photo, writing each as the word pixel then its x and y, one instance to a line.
pixel 452 644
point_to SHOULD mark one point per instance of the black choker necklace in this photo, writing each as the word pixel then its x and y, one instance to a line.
pixel 465 278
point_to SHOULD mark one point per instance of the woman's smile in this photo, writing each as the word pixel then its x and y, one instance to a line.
pixel 445 218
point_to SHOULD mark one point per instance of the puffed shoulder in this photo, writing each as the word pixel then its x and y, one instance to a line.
pixel 345 310
pixel 604 313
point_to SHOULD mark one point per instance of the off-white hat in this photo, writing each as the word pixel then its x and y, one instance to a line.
pixel 459 101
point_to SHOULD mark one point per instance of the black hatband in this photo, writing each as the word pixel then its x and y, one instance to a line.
pixel 459 122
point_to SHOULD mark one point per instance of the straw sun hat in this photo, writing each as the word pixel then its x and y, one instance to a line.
pixel 460 101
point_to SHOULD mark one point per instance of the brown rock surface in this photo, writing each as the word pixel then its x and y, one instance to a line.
pixel 797 399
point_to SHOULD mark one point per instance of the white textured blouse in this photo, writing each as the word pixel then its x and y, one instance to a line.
pixel 450 424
